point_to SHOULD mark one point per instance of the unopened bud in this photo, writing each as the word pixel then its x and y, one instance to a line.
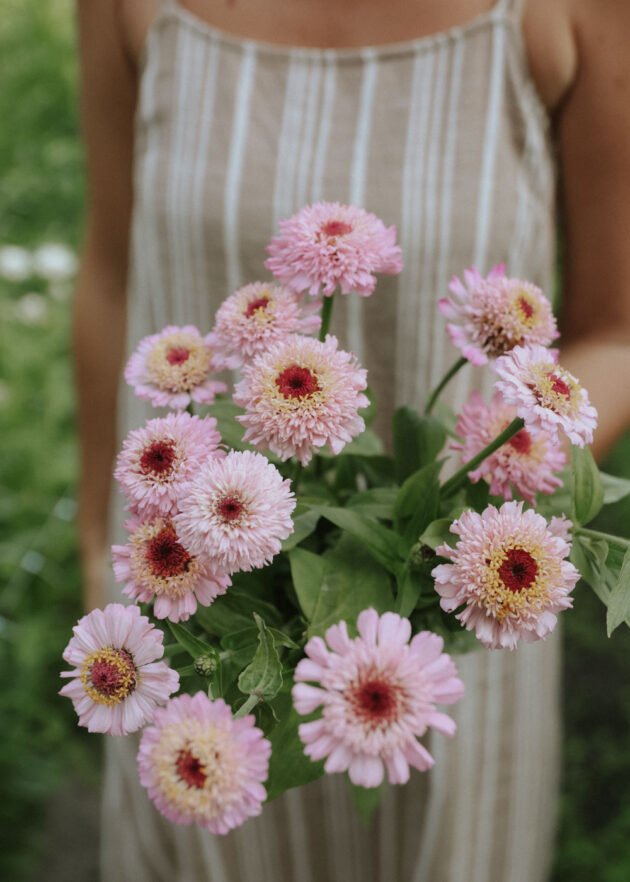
pixel 420 554
pixel 206 665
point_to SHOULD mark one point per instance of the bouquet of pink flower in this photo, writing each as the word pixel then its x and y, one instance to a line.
pixel 321 580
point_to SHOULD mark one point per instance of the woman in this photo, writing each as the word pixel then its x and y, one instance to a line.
pixel 244 111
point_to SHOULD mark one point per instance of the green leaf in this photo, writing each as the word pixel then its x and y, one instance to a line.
pixel 376 503
pixel 418 501
pixel 366 444
pixel 289 766
pixel 437 533
pixel 366 800
pixel 588 492
pixel 615 488
pixel 263 676
pixel 249 636
pixel 619 602
pixel 417 441
pixel 233 610
pixel 303 525
pixel 409 587
pixel 589 556
pixel 307 572
pixel 379 541
pixel 193 645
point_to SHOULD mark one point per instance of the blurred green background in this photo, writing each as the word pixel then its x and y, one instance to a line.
pixel 48 768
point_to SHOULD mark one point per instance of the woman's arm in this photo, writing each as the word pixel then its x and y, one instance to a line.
pixel 108 95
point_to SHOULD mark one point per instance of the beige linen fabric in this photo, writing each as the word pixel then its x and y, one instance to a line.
pixel 445 137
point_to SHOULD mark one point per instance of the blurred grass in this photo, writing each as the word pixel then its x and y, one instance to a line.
pixel 41 193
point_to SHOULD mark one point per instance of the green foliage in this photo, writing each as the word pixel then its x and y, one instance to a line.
pixel 263 675
pixel 417 441
pixel 588 491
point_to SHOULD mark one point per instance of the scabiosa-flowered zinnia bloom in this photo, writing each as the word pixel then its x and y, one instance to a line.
pixel 526 463
pixel 159 460
pixel 328 245
pixel 509 571
pixel 255 317
pixel 172 368
pixel 489 316
pixel 237 512
pixel 378 693
pixel 117 681
pixel 545 395
pixel 155 566
pixel 202 766
pixel 300 395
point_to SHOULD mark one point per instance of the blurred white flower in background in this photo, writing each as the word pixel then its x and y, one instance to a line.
pixel 55 262
pixel 16 263
pixel 31 309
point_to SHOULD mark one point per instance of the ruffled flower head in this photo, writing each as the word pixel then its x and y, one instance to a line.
pixel 155 566
pixel 545 395
pixel 202 766
pixel 159 460
pixel 257 316
pixel 328 245
pixel 117 683
pixel 301 395
pixel 509 571
pixel 489 316
pixel 236 512
pixel 526 463
pixel 172 368
pixel 378 694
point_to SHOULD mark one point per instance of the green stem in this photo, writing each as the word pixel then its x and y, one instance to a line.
pixel 249 705
pixel 453 484
pixel 448 376
pixel 295 477
pixel 327 309
pixel 595 534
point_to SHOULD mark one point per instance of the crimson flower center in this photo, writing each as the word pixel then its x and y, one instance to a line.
pixel 336 228
pixel 521 442
pixel 297 382
pixel 158 457
pixel 177 355
pixel 526 308
pixel 558 385
pixel 190 769
pixel 230 508
pixel 165 556
pixel 113 673
pixel 255 305
pixel 518 570
pixel 376 701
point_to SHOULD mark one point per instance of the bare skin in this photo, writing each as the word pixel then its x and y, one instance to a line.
pixel 577 52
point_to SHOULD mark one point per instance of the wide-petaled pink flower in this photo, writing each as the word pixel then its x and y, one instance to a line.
pixel 509 572
pixel 155 566
pixel 257 316
pixel 489 316
pixel 301 395
pixel 237 512
pixel 202 766
pixel 159 460
pixel 329 245
pixel 545 395
pixel 378 693
pixel 172 368
pixel 526 463
pixel 116 682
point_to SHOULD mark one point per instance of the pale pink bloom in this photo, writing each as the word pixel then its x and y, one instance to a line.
pixel 202 766
pixel 509 572
pixel 155 566
pixel 172 368
pixel 237 512
pixel 257 316
pixel 329 245
pixel 158 461
pixel 545 395
pixel 489 316
pixel 301 395
pixel 526 463
pixel 378 693
pixel 116 682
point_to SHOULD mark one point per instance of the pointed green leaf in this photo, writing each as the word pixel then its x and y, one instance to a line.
pixel 307 572
pixel 417 441
pixel 437 533
pixel 588 492
pixel 289 766
pixel 366 800
pixel 409 587
pixel 376 503
pixel 303 525
pixel 263 676
pixel 615 488
pixel 418 501
pixel 193 645
pixel 619 603
pixel 379 541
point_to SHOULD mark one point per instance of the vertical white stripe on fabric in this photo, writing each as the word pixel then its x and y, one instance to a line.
pixel 235 167
pixel 358 173
pixel 308 134
pixel 325 125
pixel 298 835
pixel 431 835
pixel 212 855
pixel 388 845
pixel 291 117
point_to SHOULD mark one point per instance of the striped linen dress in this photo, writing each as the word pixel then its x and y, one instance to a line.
pixel 445 137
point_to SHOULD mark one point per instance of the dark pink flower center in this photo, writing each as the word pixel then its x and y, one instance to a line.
pixel 190 769
pixel 230 508
pixel 297 382
pixel 177 355
pixel 113 673
pixel 255 305
pixel 526 308
pixel 336 228
pixel 376 701
pixel 158 457
pixel 165 556
pixel 558 385
pixel 519 570
pixel 521 442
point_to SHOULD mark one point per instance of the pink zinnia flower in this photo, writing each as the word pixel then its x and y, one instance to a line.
pixel 156 567
pixel 489 316
pixel 509 572
pixel 237 512
pixel 527 462
pixel 301 395
pixel 378 694
pixel 202 766
pixel 328 245
pixel 172 368
pixel 545 395
pixel 257 316
pixel 116 682
pixel 158 461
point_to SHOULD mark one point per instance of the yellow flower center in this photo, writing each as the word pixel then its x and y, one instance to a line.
pixel 109 675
